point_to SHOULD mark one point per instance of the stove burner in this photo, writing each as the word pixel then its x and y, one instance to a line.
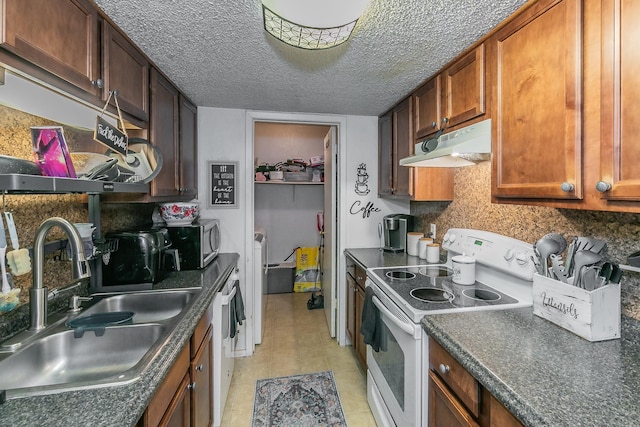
pixel 431 295
pixel 400 275
pixel 481 294
pixel 435 271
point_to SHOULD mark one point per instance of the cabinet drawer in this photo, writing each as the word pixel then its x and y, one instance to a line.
pixel 351 266
pixel 361 276
pixel 461 382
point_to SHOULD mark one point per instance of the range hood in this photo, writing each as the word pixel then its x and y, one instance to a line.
pixel 454 149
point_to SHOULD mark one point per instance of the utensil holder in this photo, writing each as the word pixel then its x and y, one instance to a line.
pixel 592 315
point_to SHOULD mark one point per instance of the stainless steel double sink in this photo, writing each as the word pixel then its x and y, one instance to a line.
pixel 59 359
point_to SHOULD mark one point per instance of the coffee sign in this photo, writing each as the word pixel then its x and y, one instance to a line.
pixel 109 135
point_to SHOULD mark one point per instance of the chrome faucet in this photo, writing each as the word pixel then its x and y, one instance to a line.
pixel 80 268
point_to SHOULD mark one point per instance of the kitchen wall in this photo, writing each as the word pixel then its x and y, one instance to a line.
pixel 30 210
pixel 227 134
pixel 472 208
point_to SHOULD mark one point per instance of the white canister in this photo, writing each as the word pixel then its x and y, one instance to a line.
pixel 464 270
pixel 423 242
pixel 433 253
pixel 412 242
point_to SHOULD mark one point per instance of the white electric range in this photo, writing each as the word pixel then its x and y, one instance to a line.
pixel 398 395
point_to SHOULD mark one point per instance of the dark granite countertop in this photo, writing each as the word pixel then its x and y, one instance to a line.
pixel 542 373
pixel 545 375
pixel 123 405
pixel 374 257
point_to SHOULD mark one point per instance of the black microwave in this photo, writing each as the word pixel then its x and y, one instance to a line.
pixel 197 244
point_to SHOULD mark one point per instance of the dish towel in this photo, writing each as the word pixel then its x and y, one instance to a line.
pixel 372 328
pixel 236 307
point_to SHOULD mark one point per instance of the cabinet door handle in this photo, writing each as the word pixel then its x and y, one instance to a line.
pixel 191 386
pixel 567 187
pixel 433 125
pixel 445 120
pixel 199 368
pixel 99 83
pixel 602 186
pixel 444 369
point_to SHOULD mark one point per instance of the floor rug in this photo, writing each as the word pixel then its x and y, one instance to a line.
pixel 298 401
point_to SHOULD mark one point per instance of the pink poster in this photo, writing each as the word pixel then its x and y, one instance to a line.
pixel 51 153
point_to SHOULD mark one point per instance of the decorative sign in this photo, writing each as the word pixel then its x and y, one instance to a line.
pixel 362 180
pixel 365 211
pixel 362 189
pixel 222 184
pixel 109 135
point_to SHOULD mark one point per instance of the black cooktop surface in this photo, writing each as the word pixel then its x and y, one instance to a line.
pixel 428 288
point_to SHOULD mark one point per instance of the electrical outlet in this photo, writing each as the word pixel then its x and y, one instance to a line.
pixel 432 231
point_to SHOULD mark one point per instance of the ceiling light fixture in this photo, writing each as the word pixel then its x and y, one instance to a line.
pixel 312 24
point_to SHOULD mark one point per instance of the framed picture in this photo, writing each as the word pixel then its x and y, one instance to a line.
pixel 223 182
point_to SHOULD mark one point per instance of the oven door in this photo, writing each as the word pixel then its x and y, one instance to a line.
pixel 395 370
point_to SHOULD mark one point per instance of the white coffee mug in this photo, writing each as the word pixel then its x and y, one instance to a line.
pixel 412 242
pixel 433 253
pixel 464 270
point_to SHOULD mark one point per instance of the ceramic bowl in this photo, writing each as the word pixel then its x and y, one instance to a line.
pixel 179 213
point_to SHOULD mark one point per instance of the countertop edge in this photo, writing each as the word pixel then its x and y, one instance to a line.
pixel 500 390
pixel 124 404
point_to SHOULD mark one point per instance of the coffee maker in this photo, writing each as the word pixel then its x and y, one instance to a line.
pixel 396 227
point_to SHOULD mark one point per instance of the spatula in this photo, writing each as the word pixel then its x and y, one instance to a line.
pixel 590 244
pixel 557 268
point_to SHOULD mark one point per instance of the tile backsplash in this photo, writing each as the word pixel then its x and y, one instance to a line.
pixel 472 208
pixel 30 210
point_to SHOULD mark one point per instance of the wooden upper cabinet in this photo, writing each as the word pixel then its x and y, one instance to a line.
pixel 397 140
pixel 463 81
pixel 402 147
pixel 60 36
pixel 537 103
pixel 454 96
pixel 385 155
pixel 125 70
pixel 426 101
pixel 188 148
pixel 163 131
pixel 620 148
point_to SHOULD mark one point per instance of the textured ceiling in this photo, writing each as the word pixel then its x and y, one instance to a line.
pixel 218 53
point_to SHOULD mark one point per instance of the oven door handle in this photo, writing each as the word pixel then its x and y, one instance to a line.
pixel 408 328
pixel 229 297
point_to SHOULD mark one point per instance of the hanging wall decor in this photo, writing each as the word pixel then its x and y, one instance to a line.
pixel 223 184
pixel 362 189
pixel 362 179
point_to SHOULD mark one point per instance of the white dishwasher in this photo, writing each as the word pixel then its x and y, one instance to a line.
pixel 223 345
pixel 260 269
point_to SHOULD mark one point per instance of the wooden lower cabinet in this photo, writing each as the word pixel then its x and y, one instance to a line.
pixel 444 407
pixel 456 398
pixel 169 397
pixel 179 412
pixel 202 384
pixel 361 347
pixel 185 397
pixel 356 277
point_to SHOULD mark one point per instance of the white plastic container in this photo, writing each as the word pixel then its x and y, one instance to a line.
pixel 412 242
pixel 422 246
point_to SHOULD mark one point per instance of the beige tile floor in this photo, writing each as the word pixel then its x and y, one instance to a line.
pixel 297 341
